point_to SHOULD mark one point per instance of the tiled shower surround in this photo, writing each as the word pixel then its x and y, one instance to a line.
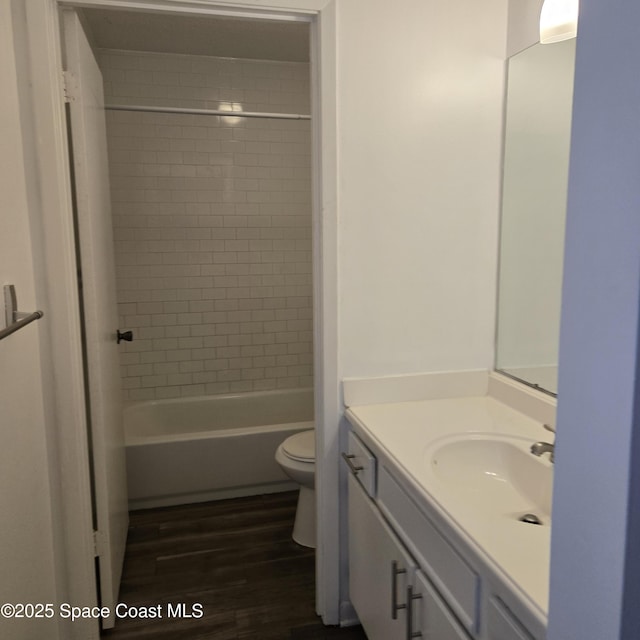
pixel 212 225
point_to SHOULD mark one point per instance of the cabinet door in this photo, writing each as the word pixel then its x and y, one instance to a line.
pixel 430 616
pixel 379 569
pixel 502 624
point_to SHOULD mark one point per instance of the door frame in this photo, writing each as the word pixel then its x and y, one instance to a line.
pixel 44 42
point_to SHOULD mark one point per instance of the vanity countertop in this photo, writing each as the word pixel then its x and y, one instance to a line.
pixel 407 434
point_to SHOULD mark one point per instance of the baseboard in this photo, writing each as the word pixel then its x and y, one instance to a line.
pixel 348 615
pixel 208 496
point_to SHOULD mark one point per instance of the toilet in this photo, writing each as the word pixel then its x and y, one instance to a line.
pixel 297 456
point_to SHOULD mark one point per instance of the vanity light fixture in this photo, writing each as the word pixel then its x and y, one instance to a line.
pixel 558 20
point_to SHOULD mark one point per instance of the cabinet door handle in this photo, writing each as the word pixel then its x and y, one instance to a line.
pixel 395 607
pixel 410 598
pixel 348 457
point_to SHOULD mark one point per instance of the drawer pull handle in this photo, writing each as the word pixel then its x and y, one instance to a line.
pixel 395 607
pixel 410 598
pixel 348 457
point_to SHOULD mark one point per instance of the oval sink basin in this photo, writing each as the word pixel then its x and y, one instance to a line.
pixel 494 473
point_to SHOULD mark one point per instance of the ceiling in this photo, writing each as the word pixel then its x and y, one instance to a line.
pixel 199 35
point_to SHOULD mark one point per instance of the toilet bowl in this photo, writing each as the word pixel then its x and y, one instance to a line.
pixel 296 456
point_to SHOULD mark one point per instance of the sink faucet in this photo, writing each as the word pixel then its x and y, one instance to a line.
pixel 540 448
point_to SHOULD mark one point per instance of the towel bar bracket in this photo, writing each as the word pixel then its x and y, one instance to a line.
pixel 15 319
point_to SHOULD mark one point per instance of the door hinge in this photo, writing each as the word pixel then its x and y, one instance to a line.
pixel 99 544
pixel 70 84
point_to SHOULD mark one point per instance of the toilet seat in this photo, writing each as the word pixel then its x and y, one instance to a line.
pixel 301 447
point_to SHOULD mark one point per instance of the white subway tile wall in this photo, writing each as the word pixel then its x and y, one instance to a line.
pixel 212 225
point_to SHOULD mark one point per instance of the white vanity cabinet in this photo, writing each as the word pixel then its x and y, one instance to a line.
pixel 407 579
pixel 393 598
pixel 380 569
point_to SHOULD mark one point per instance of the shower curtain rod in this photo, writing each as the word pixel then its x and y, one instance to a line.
pixel 207 112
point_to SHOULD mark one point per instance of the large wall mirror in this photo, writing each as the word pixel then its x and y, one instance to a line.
pixel 534 195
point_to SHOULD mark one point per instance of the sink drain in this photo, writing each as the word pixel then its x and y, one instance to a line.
pixel 530 518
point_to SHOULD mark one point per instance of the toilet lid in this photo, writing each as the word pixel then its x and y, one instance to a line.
pixel 301 447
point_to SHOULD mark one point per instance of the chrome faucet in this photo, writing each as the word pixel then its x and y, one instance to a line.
pixel 540 448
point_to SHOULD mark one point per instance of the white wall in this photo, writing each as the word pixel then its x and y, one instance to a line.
pixel 419 121
pixel 595 561
pixel 523 25
pixel 27 564
pixel 420 88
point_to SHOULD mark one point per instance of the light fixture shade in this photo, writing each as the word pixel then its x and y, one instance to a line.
pixel 558 20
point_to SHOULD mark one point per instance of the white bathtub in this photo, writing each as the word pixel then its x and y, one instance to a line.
pixel 209 448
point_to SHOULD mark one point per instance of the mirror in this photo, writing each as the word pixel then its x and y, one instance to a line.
pixel 534 194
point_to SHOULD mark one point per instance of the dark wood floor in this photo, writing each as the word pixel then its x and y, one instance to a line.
pixel 236 558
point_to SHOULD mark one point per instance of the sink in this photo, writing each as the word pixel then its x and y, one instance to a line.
pixel 494 473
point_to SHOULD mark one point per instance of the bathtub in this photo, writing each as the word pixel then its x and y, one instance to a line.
pixel 209 448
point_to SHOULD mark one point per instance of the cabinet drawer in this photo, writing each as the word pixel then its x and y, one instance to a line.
pixel 362 464
pixel 502 624
pixel 453 577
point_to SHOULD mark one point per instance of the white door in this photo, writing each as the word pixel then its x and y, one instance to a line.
pixel 83 82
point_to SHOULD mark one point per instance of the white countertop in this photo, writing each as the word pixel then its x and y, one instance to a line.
pixel 406 432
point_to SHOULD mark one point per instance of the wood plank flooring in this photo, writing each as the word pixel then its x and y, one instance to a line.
pixel 236 559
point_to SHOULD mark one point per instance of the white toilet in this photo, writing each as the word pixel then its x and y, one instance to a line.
pixel 297 457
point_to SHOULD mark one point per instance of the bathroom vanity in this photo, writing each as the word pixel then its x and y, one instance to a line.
pixel 438 549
